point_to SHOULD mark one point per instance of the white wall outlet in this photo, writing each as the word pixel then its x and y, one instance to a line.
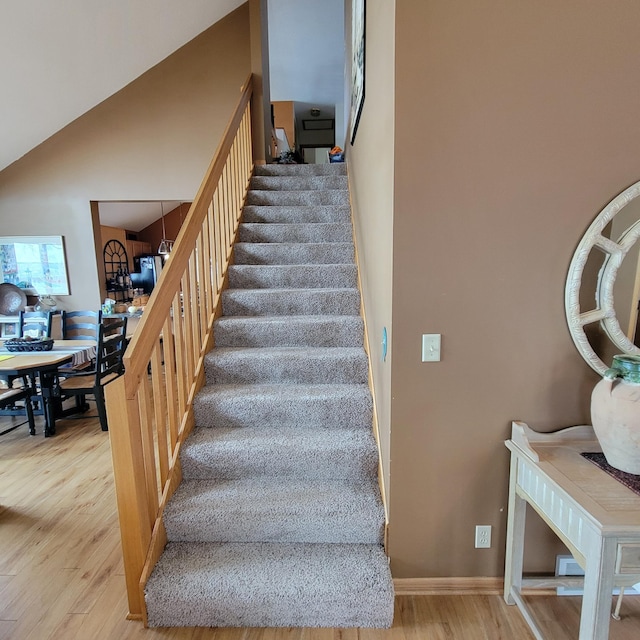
pixel 431 347
pixel 483 536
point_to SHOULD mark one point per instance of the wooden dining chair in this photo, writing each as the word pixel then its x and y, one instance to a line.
pixel 112 342
pixel 8 399
pixel 81 325
pixel 35 324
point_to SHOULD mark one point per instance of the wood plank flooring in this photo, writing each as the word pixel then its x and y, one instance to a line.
pixel 61 574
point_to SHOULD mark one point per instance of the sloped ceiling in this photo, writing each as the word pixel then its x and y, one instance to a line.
pixel 60 59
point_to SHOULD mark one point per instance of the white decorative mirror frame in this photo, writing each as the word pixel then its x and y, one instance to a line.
pixel 604 312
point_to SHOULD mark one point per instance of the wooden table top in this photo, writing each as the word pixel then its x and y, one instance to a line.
pixel 63 351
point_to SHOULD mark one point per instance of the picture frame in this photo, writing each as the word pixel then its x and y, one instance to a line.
pixel 358 32
pixel 36 264
pixel 9 330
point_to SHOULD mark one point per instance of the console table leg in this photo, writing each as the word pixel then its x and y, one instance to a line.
pixel 515 537
pixel 598 586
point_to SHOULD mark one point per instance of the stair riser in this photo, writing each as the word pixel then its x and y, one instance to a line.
pixel 348 529
pixel 316 232
pixel 326 454
pixel 327 169
pixel 311 214
pixel 293 253
pixel 305 198
pixel 321 276
pixel 294 183
pixel 343 331
pixel 321 468
pixel 305 366
pixel 275 410
pixel 273 302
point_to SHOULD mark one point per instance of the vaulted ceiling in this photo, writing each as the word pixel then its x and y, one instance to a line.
pixel 60 59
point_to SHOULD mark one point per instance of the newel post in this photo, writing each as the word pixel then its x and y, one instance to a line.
pixel 130 486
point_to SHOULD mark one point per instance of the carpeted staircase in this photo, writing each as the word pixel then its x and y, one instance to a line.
pixel 278 521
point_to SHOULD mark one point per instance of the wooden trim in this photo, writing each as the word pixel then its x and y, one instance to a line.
pixel 448 586
pixel 130 485
pixel 485 586
pixel 375 426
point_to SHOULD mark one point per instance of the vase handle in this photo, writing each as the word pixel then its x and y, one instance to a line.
pixel 613 373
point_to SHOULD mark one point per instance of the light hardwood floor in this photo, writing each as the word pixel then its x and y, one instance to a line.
pixel 61 570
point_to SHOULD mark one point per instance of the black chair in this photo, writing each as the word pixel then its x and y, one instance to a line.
pixel 80 325
pixel 35 324
pixel 8 399
pixel 112 342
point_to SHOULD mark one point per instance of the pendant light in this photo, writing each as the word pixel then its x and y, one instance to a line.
pixel 165 245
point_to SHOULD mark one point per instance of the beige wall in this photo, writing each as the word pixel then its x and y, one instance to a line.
pixel 153 140
pixel 515 124
pixel 370 163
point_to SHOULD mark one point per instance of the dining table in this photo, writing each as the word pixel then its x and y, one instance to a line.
pixel 45 365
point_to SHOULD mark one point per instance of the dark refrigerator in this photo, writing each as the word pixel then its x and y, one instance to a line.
pixel 147 272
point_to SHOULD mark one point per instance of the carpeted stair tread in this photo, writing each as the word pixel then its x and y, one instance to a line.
pixel 278 302
pixel 306 406
pixel 309 214
pixel 299 276
pixel 289 331
pixel 266 509
pixel 295 232
pixel 298 183
pixel 270 585
pixel 326 169
pixel 279 452
pixel 338 197
pixel 286 365
pixel 283 253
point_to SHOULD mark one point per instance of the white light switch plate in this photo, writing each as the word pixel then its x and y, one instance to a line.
pixel 431 347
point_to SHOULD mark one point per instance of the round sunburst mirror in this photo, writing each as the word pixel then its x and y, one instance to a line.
pixel 603 284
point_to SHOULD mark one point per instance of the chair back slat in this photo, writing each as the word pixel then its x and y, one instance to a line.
pixel 81 325
pixel 35 324
pixel 112 343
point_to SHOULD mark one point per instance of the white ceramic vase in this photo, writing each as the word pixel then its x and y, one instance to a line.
pixel 615 414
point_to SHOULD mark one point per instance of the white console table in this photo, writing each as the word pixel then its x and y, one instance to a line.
pixel 597 518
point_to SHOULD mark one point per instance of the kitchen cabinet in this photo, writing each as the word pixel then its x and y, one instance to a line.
pixel 136 248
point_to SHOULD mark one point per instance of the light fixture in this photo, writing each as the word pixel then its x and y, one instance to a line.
pixel 165 245
pixel 315 111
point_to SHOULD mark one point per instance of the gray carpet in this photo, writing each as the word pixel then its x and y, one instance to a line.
pixel 271 585
pixel 278 520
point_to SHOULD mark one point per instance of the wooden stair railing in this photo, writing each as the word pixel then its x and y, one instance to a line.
pixel 149 408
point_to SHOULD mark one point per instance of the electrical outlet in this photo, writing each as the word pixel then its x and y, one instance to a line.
pixel 483 536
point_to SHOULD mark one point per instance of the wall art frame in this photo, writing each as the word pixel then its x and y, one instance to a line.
pixel 358 33
pixel 36 264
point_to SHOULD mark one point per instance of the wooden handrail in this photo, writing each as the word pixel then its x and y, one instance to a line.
pixel 151 322
pixel 149 407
